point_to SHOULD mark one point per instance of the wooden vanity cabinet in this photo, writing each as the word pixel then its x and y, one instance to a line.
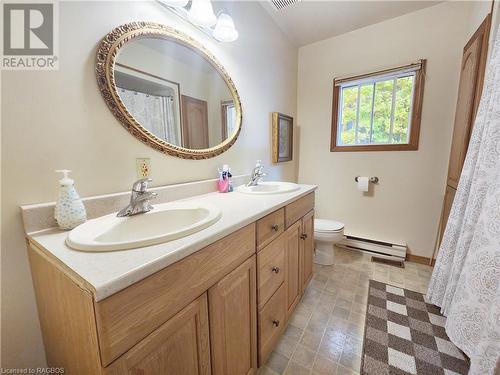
pixel 180 346
pixel 293 269
pixel 307 249
pixel 220 310
pixel 292 254
pixel 233 321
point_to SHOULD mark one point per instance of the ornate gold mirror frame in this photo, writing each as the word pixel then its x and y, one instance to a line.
pixel 105 61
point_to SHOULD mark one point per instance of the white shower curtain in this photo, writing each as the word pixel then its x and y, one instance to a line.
pixel 155 113
pixel 466 277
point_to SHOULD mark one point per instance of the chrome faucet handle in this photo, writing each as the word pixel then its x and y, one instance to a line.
pixel 140 186
pixel 147 196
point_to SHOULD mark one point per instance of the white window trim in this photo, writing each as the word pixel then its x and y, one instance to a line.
pixel 373 80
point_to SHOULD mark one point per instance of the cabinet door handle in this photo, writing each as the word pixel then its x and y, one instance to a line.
pixel 303 236
pixel 275 227
pixel 276 270
pixel 276 323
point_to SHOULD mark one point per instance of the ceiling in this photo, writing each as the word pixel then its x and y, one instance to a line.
pixel 309 21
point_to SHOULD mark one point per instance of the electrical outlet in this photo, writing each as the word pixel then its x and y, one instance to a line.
pixel 143 167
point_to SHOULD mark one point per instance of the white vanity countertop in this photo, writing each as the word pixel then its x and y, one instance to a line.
pixel 110 272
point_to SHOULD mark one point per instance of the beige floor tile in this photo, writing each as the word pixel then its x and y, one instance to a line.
pixel 293 332
pixel 299 320
pixel 351 361
pixel 343 303
pixel 339 312
pixel 311 340
pixel 325 333
pixel 356 318
pixel 286 346
pixel 304 356
pixel 296 369
pixel 316 326
pixel 320 285
pixel 323 366
pixel 323 278
pixel 359 308
pixel 341 370
pixel 277 362
pixel 330 350
pixel 264 370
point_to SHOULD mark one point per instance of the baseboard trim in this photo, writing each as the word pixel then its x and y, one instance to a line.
pixel 420 259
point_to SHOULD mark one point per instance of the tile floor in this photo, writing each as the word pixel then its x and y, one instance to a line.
pixel 325 334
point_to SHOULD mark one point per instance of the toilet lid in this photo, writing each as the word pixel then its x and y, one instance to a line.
pixel 323 225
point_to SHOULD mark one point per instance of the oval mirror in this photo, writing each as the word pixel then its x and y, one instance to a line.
pixel 168 90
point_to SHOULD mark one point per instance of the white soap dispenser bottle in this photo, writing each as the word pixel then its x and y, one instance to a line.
pixel 69 211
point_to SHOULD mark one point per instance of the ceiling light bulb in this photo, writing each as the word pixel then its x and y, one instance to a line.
pixel 224 30
pixel 201 13
pixel 176 3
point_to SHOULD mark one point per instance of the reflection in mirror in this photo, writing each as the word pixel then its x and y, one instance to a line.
pixel 174 93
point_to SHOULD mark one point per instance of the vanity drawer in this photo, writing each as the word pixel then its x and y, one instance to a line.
pixel 295 210
pixel 271 323
pixel 270 227
pixel 128 316
pixel 270 269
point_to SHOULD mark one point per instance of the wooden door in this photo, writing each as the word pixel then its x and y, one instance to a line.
pixel 233 321
pixel 307 248
pixel 179 346
pixel 292 268
pixel 448 202
pixel 469 94
pixel 194 123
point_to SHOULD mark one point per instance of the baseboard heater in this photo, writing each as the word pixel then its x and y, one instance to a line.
pixel 379 249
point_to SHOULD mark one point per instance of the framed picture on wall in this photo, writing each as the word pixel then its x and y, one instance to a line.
pixel 282 137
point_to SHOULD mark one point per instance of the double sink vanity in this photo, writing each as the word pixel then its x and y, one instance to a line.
pixel 199 283
pixel 212 296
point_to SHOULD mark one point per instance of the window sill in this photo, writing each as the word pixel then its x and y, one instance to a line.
pixel 361 148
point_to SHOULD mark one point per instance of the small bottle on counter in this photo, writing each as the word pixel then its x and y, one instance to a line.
pixel 225 184
pixel 70 211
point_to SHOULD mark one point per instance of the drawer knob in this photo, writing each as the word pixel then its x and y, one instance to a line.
pixel 303 236
pixel 275 227
pixel 276 269
pixel 276 323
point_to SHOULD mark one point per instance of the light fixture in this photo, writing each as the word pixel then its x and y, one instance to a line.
pixel 224 30
pixel 176 3
pixel 201 13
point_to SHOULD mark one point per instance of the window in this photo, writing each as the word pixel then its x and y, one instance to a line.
pixel 228 118
pixel 378 111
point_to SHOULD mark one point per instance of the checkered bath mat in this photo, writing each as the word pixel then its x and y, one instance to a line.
pixel 405 335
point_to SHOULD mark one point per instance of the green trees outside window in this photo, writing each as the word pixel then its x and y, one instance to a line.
pixel 376 112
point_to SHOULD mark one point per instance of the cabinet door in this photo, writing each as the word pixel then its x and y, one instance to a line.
pixel 469 93
pixel 233 321
pixel 292 267
pixel 179 346
pixel 307 248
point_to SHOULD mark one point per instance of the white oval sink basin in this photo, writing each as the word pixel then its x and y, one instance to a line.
pixel 269 187
pixel 166 222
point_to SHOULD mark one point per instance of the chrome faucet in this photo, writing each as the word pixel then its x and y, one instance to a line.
pixel 139 199
pixel 257 174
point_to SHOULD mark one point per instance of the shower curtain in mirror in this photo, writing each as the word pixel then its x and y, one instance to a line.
pixel 466 277
pixel 155 113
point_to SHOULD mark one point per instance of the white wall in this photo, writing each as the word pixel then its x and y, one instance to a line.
pixel 53 120
pixel 406 205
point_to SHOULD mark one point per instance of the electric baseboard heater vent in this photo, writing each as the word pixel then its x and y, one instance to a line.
pixel 378 249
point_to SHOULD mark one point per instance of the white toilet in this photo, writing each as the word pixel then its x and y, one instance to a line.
pixel 326 234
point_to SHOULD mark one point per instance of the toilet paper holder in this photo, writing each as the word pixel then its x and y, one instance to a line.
pixel 373 180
